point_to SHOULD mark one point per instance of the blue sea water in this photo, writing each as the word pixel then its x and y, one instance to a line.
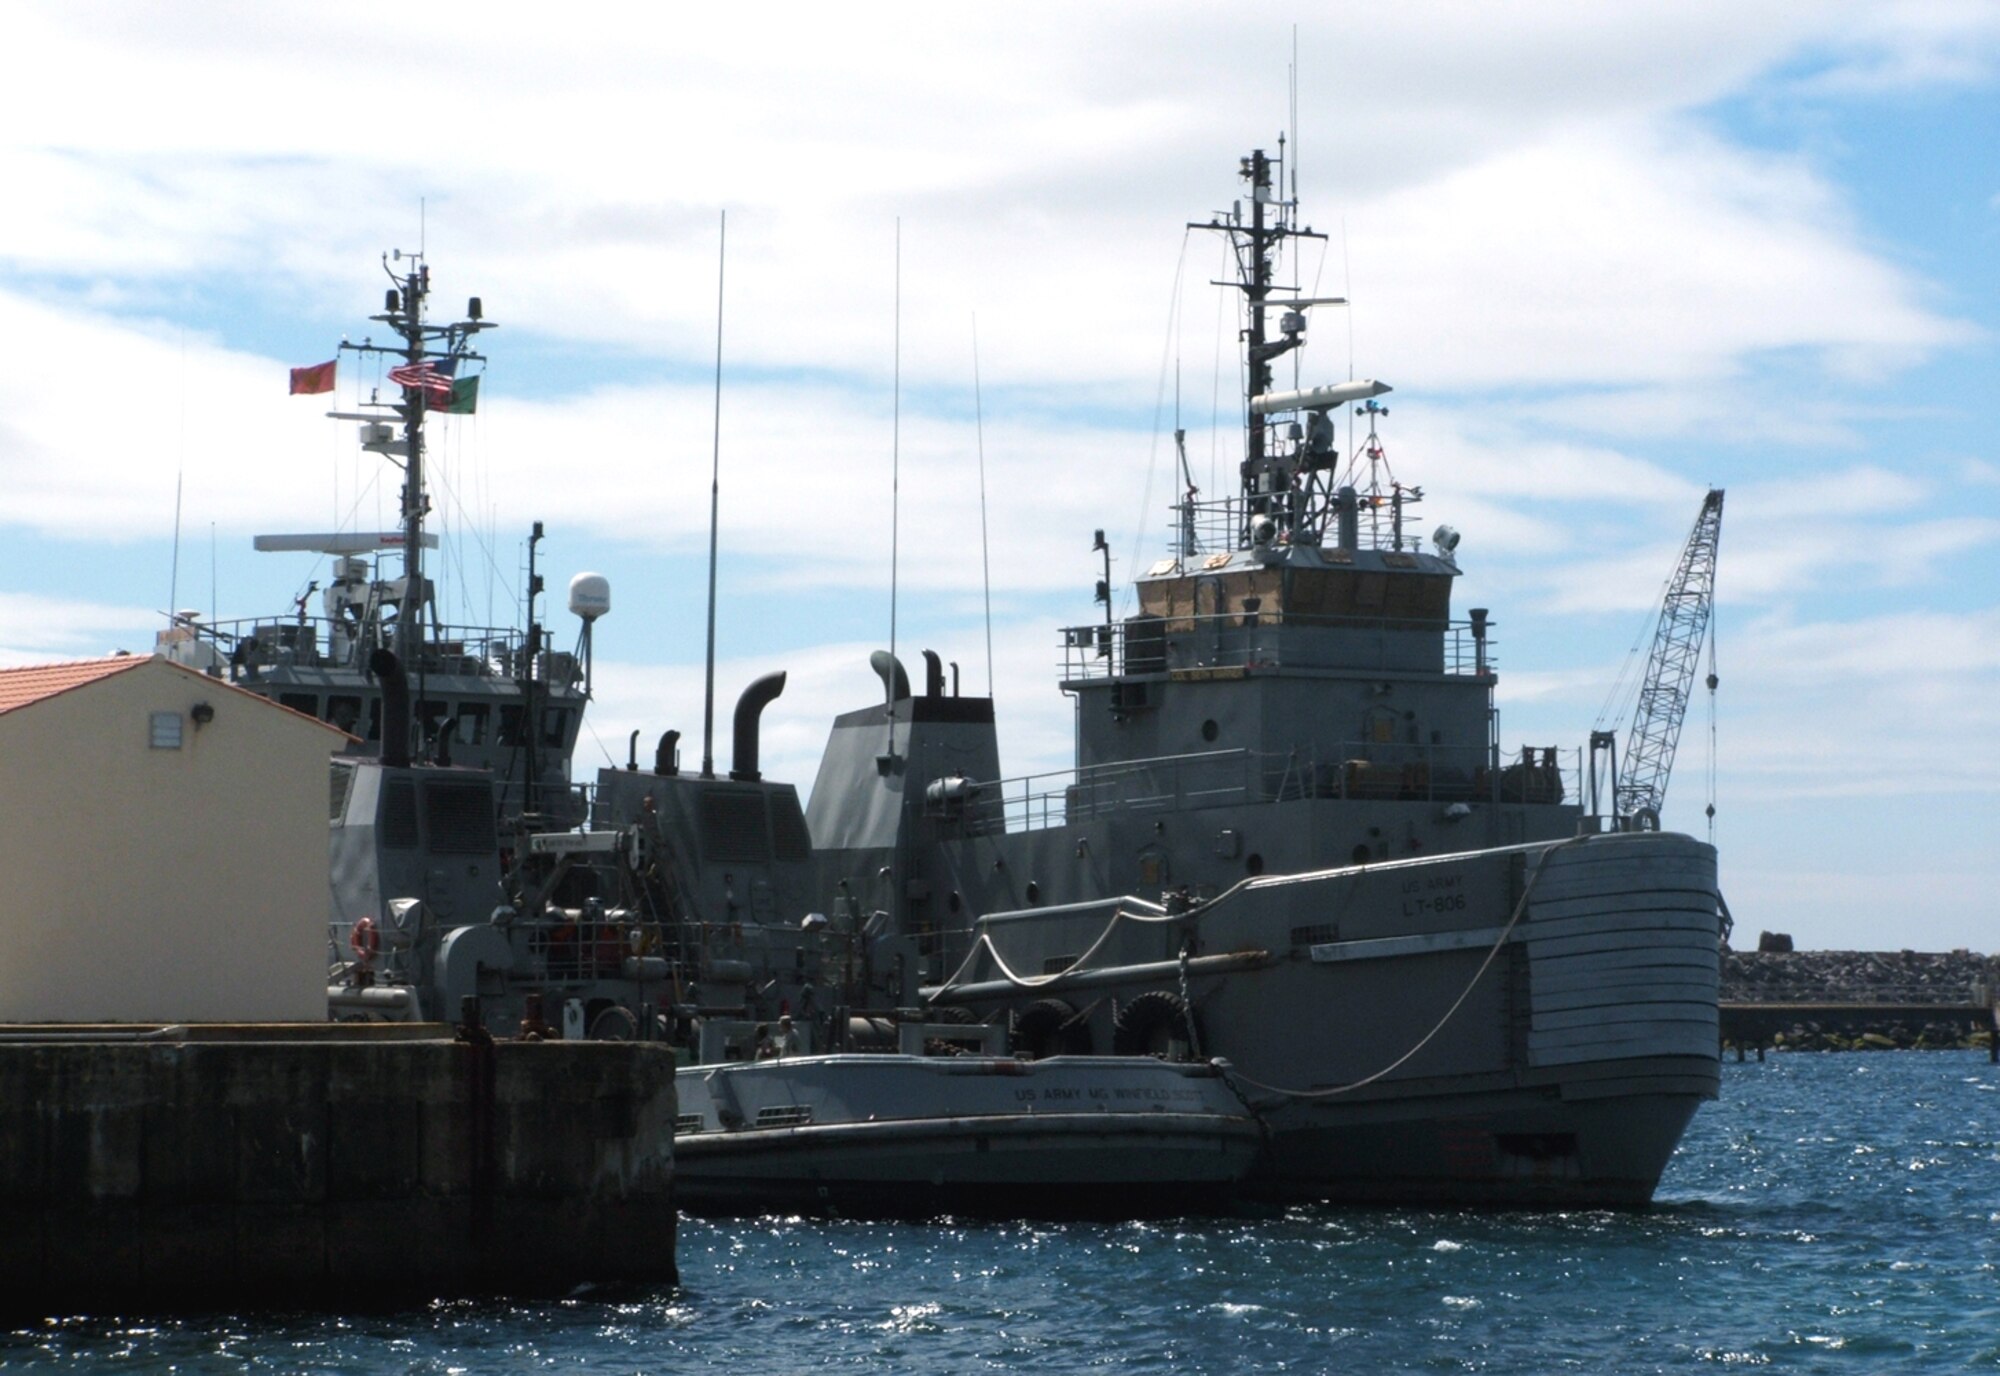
pixel 1832 1213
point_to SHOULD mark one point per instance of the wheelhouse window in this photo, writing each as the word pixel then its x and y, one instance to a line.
pixel 343 710
pixel 431 716
pixel 555 725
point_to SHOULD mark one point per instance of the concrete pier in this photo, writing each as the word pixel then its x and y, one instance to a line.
pixel 325 1166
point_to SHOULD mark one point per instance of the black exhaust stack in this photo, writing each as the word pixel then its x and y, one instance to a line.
pixel 749 708
pixel 889 669
pixel 395 709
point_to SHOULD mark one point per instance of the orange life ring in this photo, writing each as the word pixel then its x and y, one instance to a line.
pixel 365 940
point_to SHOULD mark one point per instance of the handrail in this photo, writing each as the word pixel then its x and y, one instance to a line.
pixel 1352 770
pixel 248 645
pixel 1263 640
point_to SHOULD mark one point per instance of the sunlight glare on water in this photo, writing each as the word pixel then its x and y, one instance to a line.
pixel 1830 1213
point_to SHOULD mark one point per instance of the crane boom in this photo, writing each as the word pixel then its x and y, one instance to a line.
pixel 1663 698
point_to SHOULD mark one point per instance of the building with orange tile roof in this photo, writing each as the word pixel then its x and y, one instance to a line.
pixel 165 843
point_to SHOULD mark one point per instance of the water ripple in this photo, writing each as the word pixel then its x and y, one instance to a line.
pixel 1829 1214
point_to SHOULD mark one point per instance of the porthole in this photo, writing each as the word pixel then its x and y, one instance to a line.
pixel 1209 730
pixel 1254 864
pixel 1034 892
pixel 1362 855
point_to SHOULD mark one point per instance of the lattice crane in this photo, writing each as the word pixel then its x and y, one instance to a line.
pixel 1663 697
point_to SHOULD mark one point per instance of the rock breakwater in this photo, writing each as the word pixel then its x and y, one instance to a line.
pixel 1899 981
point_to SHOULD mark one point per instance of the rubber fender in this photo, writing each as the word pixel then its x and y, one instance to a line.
pixel 1049 1027
pixel 1156 1023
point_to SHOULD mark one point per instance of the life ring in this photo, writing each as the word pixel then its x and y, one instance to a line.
pixel 364 940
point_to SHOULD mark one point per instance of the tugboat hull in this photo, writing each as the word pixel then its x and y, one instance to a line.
pixel 1528 1025
pixel 900 1136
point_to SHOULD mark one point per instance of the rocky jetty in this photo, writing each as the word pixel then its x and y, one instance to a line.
pixel 1890 978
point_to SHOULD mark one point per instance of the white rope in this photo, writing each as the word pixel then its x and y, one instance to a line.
pixel 1192 918
pixel 1041 981
pixel 1519 908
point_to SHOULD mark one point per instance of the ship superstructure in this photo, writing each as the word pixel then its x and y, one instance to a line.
pixel 497 698
pixel 1291 838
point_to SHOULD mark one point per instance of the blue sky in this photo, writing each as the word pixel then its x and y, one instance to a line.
pixel 1606 255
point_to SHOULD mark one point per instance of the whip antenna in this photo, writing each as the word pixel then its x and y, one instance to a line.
pixel 895 479
pixel 985 563
pixel 714 508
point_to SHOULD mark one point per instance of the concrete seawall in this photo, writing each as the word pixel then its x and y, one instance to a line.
pixel 316 1167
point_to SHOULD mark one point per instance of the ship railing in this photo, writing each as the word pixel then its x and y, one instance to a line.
pixel 828 956
pixel 1168 783
pixel 1241 641
pixel 1217 527
pixel 243 649
pixel 1368 770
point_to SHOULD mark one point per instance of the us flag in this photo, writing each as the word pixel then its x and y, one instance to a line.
pixel 432 379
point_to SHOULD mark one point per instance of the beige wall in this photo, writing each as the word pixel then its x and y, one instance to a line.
pixel 162 885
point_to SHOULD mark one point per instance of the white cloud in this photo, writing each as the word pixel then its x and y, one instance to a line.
pixel 1591 296
pixel 1615 242
pixel 47 630
pixel 1913 44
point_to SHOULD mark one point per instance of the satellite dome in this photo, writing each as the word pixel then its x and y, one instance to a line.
pixel 590 595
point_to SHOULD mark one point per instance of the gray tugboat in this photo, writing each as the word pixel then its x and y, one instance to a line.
pixel 680 916
pixel 683 912
pixel 1292 840
pixel 1292 862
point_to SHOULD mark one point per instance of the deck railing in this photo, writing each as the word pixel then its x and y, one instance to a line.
pixel 1238 640
pixel 243 649
pixel 1177 783
pixel 1222 525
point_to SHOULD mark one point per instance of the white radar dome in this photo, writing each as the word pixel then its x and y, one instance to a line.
pixel 589 595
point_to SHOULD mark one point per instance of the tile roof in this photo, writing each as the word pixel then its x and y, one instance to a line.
pixel 20 687
pixel 37 682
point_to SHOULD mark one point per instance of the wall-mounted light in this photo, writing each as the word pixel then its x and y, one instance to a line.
pixel 202 713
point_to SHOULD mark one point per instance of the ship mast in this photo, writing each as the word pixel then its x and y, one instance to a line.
pixel 431 358
pixel 1256 245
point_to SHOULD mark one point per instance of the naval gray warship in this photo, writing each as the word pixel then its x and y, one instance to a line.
pixel 1291 839
pixel 499 698
pixel 1291 844
pixel 461 891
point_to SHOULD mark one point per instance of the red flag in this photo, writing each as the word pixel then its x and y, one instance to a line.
pixel 318 378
